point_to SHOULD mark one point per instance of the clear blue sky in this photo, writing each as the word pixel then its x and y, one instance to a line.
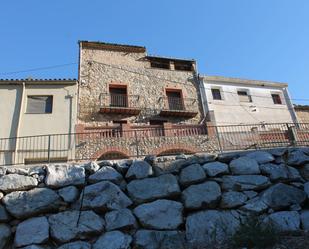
pixel 256 39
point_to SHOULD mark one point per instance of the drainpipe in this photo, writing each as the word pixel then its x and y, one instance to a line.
pixel 203 98
pixel 21 107
pixel 290 105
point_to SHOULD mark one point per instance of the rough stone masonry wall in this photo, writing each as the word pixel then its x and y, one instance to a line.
pixel 152 203
pixel 142 80
pixel 95 147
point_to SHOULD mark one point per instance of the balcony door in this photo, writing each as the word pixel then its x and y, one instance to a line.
pixel 174 100
pixel 118 96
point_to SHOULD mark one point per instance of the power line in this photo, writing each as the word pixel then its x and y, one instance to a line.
pixel 38 69
pixel 175 81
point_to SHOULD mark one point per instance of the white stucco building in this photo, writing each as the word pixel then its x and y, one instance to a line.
pixel 230 101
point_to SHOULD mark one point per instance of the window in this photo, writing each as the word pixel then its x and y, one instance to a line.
pixel 183 66
pixel 174 100
pixel 216 94
pixel 39 104
pixel 244 96
pixel 118 96
pixel 276 99
pixel 160 64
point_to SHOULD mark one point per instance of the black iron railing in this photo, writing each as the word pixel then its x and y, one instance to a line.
pixel 138 141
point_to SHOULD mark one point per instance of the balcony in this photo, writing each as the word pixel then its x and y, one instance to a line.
pixel 179 107
pixel 119 104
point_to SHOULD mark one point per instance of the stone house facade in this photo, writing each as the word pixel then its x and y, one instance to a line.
pixel 124 93
pixel 302 112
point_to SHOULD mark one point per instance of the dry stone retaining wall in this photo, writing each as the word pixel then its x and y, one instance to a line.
pixel 163 202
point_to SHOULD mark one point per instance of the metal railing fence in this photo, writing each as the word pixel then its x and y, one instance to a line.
pixel 115 143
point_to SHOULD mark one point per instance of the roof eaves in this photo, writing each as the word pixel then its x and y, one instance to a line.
pixel 244 81
pixel 111 46
pixel 39 81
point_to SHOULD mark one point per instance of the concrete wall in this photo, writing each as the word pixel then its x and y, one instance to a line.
pixel 99 68
pixel 230 110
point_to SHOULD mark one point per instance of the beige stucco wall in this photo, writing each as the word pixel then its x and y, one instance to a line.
pixel 63 116
pixel 230 110
pixel 99 68
pixel 10 97
pixel 13 113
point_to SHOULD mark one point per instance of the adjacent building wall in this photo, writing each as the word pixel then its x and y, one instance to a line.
pixel 16 122
pixel 230 110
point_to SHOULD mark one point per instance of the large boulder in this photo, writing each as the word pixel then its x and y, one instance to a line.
pixel 304 171
pixel 192 174
pixel 213 169
pixel 304 216
pixel 261 156
pixel 297 158
pixel 23 204
pixel 104 196
pixel 281 196
pixel 202 195
pixel 14 182
pixel 4 215
pixel 70 225
pixel 255 206
pixel 32 231
pixel 120 219
pixel 34 247
pixel 294 175
pixel 244 166
pixel 153 188
pixel 232 199
pixel 152 239
pixel 113 240
pixel 206 227
pixel 63 175
pixel 275 172
pixel 5 235
pixel 306 189
pixel 227 157
pixel 139 170
pixel 278 152
pixel 91 167
pixel 106 173
pixel 245 182
pixel 69 194
pixel 284 221
pixel 160 214
pixel 76 245
pixel 122 166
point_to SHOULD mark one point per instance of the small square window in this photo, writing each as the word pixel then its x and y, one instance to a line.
pixel 244 96
pixel 276 99
pixel 216 94
pixel 39 104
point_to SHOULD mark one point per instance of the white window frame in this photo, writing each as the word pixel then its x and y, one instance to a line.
pixel 248 95
pixel 221 93
pixel 280 95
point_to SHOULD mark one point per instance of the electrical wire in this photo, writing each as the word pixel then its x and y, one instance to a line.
pixel 38 69
pixel 175 81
